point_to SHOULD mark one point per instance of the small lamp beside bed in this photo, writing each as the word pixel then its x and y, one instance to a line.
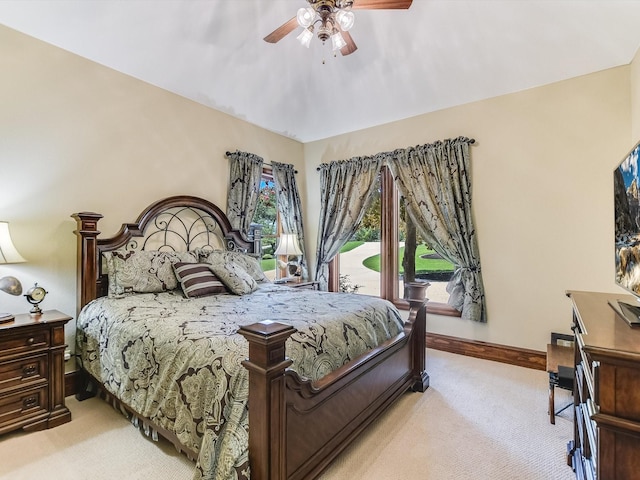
pixel 8 254
pixel 287 247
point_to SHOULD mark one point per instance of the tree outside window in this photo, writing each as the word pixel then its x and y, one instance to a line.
pixel 386 252
pixel 267 216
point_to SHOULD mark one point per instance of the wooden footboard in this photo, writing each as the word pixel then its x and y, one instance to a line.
pixel 297 426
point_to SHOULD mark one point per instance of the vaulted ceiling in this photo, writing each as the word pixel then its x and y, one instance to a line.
pixel 437 54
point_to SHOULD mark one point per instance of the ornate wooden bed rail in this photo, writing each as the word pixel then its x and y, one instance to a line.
pixel 296 427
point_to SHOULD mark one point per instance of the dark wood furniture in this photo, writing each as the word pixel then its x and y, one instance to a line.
pixel 606 443
pixel 297 427
pixel 560 367
pixel 32 372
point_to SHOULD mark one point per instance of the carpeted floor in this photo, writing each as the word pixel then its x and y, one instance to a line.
pixel 478 420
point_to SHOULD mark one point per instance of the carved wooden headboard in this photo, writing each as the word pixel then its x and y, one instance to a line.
pixel 179 223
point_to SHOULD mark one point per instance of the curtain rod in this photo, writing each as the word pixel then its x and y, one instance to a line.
pixel 263 163
pixel 471 141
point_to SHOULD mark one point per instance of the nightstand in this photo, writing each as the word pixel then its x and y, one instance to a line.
pixel 32 372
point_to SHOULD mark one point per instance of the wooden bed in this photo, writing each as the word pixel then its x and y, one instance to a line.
pixel 297 426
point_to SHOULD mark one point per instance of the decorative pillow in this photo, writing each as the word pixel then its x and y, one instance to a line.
pixel 197 279
pixel 143 272
pixel 236 278
pixel 247 262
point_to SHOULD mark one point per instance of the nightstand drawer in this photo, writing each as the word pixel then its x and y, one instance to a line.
pixel 22 406
pixel 28 341
pixel 28 371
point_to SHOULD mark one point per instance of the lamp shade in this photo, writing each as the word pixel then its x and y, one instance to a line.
pixel 8 252
pixel 305 16
pixel 288 245
pixel 305 37
pixel 337 42
pixel 345 19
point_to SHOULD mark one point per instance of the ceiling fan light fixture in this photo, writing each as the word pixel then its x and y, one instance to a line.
pixel 337 41
pixel 345 19
pixel 305 16
pixel 306 36
pixel 325 18
pixel 324 32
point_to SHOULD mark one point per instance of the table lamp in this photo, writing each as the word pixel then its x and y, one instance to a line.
pixel 288 246
pixel 8 254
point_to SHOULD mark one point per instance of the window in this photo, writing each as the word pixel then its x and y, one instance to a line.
pixel 386 251
pixel 267 216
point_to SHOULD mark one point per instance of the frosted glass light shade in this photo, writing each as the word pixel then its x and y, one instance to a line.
pixel 8 252
pixel 345 19
pixel 305 16
pixel 305 37
pixel 288 245
pixel 337 42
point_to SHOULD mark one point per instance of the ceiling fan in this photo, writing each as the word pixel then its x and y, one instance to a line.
pixel 333 19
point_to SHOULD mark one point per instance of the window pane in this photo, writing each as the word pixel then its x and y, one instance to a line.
pixel 360 257
pixel 267 216
pixel 418 261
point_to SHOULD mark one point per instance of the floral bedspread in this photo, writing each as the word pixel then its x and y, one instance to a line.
pixel 177 361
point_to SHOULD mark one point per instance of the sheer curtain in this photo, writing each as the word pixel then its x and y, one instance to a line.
pixel 245 174
pixel 435 181
pixel 345 189
pixel 290 206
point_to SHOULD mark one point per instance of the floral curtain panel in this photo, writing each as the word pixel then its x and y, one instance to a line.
pixel 245 173
pixel 345 189
pixel 290 206
pixel 435 181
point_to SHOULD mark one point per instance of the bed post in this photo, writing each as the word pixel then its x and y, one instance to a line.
pixel 87 262
pixel 266 364
pixel 418 319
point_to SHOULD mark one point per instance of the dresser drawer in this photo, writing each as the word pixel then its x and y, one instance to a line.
pixel 24 372
pixel 23 406
pixel 27 341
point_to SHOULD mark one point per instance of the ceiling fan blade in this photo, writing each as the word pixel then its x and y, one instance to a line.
pixel 282 31
pixel 350 47
pixel 381 4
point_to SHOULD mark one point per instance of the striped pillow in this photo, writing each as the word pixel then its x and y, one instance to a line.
pixel 197 279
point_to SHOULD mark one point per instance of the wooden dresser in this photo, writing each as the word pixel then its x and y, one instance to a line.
pixel 32 372
pixel 606 443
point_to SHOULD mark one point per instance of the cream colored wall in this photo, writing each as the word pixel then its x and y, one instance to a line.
pixel 635 97
pixel 542 169
pixel 76 136
pixel 542 195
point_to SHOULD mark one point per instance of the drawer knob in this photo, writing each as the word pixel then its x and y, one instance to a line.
pixel 30 402
pixel 29 370
pixel 30 341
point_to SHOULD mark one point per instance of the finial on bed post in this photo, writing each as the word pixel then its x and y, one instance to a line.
pixel 266 364
pixel 416 292
pixel 87 263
